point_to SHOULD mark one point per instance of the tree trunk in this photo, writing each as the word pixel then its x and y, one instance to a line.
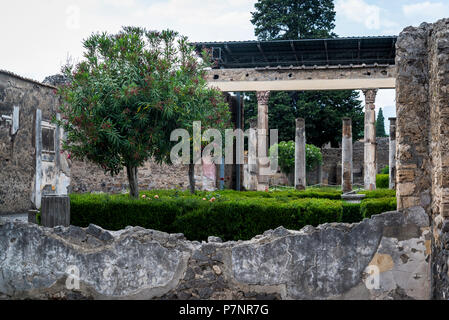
pixel 133 181
pixel 192 177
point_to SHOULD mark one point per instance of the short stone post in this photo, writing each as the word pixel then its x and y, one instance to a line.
pixel 55 211
pixel 392 154
pixel 300 155
pixel 346 166
pixel 370 169
pixel 252 155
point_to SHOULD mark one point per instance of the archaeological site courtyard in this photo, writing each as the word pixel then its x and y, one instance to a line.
pixel 157 167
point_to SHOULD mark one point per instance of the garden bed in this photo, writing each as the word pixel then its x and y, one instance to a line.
pixel 227 214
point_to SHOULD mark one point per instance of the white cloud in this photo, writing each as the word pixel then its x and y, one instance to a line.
pixel 37 36
pixel 429 11
pixel 361 12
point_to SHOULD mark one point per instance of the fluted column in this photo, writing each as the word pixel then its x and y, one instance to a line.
pixel 370 169
pixel 262 140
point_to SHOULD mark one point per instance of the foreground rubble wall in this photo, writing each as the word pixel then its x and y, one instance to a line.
pixel 327 262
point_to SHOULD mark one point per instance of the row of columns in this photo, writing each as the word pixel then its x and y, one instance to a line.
pixel 260 181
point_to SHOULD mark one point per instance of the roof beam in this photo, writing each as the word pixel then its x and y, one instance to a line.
pixel 304 85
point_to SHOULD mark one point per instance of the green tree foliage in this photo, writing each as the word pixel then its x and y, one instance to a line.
pixel 380 125
pixel 286 156
pixel 292 19
pixel 129 93
pixel 322 110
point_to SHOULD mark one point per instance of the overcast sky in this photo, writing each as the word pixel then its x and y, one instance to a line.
pixel 38 36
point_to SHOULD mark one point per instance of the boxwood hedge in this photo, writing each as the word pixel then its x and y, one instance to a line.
pixel 227 214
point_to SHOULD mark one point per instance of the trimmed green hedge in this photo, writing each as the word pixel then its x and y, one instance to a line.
pixel 227 214
pixel 379 193
pixel 351 213
pixel 382 181
pixel 370 207
pixel 229 219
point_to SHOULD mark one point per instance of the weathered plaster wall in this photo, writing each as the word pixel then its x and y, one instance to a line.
pixel 17 153
pixel 328 262
pixel 423 134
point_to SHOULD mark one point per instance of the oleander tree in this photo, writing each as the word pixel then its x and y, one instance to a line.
pixel 127 95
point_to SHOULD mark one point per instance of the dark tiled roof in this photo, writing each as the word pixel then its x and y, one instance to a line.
pixel 305 52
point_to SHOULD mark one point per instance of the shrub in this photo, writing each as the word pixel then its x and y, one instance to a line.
pixel 351 213
pixel 385 170
pixel 382 181
pixel 227 214
pixel 370 207
pixel 286 156
pixel 118 212
pixel 231 219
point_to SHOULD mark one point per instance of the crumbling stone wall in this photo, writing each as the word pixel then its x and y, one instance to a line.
pixel 17 153
pixel 327 262
pixel 423 134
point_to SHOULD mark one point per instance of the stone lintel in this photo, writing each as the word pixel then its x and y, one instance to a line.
pixel 294 79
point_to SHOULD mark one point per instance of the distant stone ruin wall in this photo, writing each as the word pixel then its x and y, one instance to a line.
pixel 333 261
pixel 423 134
pixel 331 168
pixel 17 151
pixel 88 177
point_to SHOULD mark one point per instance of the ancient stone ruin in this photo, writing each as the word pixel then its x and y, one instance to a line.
pixel 332 261
pixel 407 249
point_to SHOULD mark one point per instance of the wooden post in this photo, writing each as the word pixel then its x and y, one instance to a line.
pixel 55 211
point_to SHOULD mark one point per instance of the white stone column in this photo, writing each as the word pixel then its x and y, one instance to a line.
pixel 370 169
pixel 252 155
pixel 392 154
pixel 300 155
pixel 346 146
pixel 262 141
